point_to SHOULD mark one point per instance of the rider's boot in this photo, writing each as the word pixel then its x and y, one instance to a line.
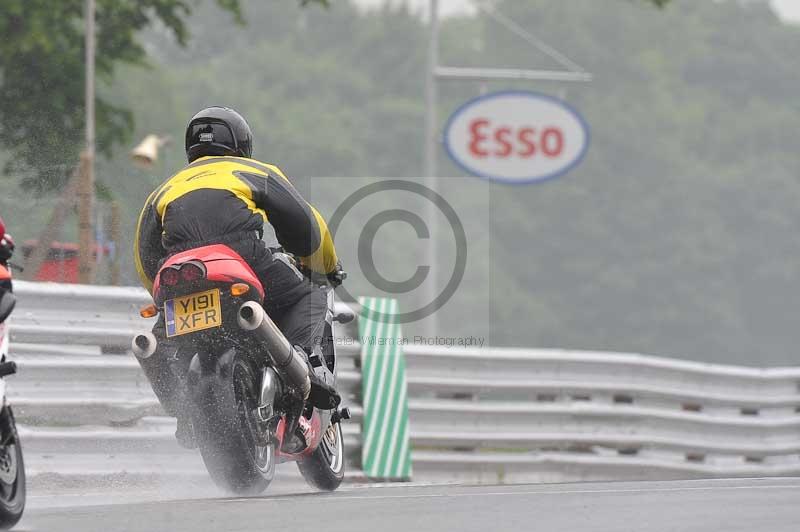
pixel 322 395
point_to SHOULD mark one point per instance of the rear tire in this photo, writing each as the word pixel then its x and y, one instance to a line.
pixel 226 435
pixel 12 472
pixel 324 468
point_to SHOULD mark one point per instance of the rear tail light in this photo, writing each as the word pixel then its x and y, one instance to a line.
pixel 192 272
pixel 186 272
pixel 170 277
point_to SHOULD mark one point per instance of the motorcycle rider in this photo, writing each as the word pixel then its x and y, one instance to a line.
pixel 225 197
pixel 6 243
pixel 6 251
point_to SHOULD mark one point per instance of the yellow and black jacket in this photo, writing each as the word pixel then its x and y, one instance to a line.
pixel 216 197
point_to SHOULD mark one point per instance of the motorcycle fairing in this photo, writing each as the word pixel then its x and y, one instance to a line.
pixel 222 264
pixel 7 303
pixel 312 432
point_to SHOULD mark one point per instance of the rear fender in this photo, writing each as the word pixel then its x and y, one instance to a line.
pixel 209 375
pixel 222 265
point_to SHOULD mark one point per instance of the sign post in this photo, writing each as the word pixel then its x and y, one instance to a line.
pixel 431 149
pixel 86 186
pixel 437 73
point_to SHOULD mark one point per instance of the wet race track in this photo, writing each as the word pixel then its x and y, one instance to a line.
pixel 749 505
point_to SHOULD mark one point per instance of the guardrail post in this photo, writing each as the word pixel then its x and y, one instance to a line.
pixel 386 448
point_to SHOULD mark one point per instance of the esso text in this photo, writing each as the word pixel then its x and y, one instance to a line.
pixel 487 139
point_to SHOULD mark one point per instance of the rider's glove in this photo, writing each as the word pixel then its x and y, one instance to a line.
pixel 337 276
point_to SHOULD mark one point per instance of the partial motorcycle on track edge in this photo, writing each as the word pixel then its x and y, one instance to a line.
pixel 12 466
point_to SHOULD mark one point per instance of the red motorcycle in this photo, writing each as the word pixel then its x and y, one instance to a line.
pixel 12 467
pixel 244 384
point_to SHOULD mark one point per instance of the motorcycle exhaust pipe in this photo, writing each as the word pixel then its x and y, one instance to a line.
pixel 285 358
pixel 144 345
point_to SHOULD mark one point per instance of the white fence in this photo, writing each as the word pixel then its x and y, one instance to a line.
pixel 491 415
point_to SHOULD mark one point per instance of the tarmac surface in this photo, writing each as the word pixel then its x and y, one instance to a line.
pixel 739 505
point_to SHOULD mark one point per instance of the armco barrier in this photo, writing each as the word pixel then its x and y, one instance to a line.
pixel 488 415
pixel 103 316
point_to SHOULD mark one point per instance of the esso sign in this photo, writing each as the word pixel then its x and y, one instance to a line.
pixel 516 137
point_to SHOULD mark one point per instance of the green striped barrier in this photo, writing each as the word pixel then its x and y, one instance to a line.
pixel 386 450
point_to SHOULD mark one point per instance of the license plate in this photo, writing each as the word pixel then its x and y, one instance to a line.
pixel 193 313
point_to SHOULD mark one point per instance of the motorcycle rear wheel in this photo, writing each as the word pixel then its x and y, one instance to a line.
pixel 12 472
pixel 324 468
pixel 227 436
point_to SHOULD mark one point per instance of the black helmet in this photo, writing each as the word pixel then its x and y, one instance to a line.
pixel 218 131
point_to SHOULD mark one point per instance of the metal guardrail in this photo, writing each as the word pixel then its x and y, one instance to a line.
pixel 51 313
pixel 104 316
pixel 478 414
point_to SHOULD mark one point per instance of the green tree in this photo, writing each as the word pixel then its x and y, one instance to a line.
pixel 42 87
